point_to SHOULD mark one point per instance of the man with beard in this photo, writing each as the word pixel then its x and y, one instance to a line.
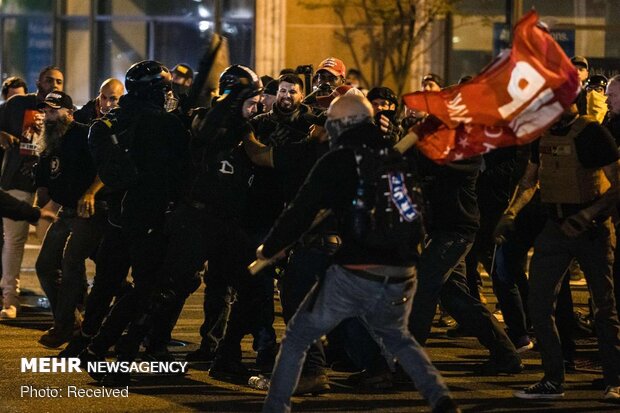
pixel 110 93
pixel 64 174
pixel 288 121
pixel 575 164
pixel 291 144
pixel 21 122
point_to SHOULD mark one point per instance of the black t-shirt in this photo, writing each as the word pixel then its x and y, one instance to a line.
pixel 450 192
pixel 595 146
pixel 68 170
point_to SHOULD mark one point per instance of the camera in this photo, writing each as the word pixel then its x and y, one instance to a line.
pixel 304 70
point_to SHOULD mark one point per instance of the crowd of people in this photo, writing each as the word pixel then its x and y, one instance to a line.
pixel 164 196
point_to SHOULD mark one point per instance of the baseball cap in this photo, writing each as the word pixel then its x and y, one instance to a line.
pixel 334 66
pixel 595 81
pixel 271 88
pixel 433 78
pixel 57 100
pixel 382 92
pixel 183 70
pixel 580 61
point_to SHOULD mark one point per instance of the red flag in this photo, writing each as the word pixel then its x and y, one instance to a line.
pixel 511 102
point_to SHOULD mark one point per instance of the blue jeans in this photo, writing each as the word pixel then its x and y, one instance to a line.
pixel 60 265
pixel 341 295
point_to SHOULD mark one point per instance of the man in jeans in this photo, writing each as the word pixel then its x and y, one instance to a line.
pixel 576 165
pixel 20 129
pixel 376 283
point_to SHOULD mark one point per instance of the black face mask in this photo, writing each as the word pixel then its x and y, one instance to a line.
pixel 390 114
pixel 180 90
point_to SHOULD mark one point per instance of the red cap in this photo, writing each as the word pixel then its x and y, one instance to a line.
pixel 334 66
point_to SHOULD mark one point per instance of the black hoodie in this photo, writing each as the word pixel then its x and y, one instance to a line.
pixel 331 185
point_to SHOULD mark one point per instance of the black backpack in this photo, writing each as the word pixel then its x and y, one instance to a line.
pixel 387 209
pixel 111 152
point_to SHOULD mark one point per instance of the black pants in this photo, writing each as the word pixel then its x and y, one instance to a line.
pixel 441 273
pixel 195 236
pixel 306 265
pixel 493 189
pixel 137 309
pixel 111 271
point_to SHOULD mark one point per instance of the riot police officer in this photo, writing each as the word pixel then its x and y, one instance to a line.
pixel 140 151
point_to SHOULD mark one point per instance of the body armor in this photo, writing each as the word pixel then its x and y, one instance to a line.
pixel 563 179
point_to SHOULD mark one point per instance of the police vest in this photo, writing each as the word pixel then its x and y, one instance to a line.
pixel 563 180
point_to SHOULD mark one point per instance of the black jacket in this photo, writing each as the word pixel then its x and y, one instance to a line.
pixel 156 143
pixel 331 184
pixel 87 113
pixel 276 128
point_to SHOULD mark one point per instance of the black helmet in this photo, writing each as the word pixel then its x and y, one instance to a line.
pixel 238 76
pixel 596 82
pixel 148 76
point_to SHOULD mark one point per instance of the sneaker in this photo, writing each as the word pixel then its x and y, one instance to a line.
pixel 312 384
pixel 8 313
pixel 544 389
pixel 523 344
pixel 494 367
pixel 612 393
pixel 446 405
pixel 56 337
pixel 374 381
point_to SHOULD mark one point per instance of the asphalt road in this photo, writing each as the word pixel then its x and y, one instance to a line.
pixel 196 391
